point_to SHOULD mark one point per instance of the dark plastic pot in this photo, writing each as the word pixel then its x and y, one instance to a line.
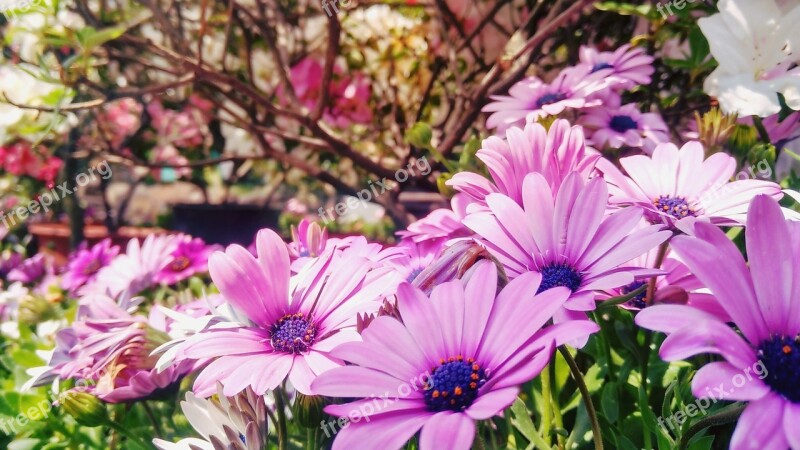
pixel 225 223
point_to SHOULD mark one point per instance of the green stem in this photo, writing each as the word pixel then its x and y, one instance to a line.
pixel 131 437
pixel 547 413
pixel 280 409
pixel 587 397
pixel 153 420
pixel 727 415
pixel 605 342
pixel 645 360
pixel 559 420
pixel 762 132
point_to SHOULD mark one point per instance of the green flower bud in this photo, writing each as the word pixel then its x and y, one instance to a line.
pixel 307 409
pixel 420 135
pixel 34 309
pixel 87 409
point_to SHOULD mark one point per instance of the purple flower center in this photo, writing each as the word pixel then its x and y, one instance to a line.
pixel 179 263
pixel 600 66
pixel 621 124
pixel 676 207
pixel 92 267
pixel 547 99
pixel 559 274
pixel 454 385
pixel 781 358
pixel 414 273
pixel 638 300
pixel 293 333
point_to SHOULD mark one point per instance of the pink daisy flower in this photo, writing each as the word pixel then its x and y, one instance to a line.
pixel 189 257
pixel 614 126
pixel 627 67
pixel 136 269
pixel 85 264
pixel 532 98
pixel 677 285
pixel 676 187
pixel 567 238
pixel 764 303
pixel 111 348
pixel 555 153
pixel 456 357
pixel 293 324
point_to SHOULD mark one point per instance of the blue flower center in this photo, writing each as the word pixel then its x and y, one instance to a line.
pixel 293 333
pixel 547 99
pixel 781 358
pixel 559 274
pixel 454 385
pixel 676 207
pixel 638 300
pixel 414 273
pixel 600 66
pixel 621 124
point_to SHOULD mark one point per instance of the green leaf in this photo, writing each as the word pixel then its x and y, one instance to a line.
pixel 703 443
pixel 522 420
pixel 609 402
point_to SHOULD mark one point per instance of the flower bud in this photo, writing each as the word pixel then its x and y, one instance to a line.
pixel 307 409
pixel 87 409
pixel 34 309
pixel 454 263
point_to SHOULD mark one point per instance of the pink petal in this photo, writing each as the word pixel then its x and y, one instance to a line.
pixel 450 430
pixel 388 431
pixel 760 426
pixel 720 380
pixel 771 262
pixel 492 403
pixel 791 419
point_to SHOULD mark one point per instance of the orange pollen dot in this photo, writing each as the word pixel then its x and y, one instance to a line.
pixel 473 385
pixel 444 393
pixel 458 390
pixel 476 367
pixel 787 349
pixel 435 394
pixel 474 376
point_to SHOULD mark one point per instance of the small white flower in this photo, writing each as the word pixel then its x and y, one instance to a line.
pixel 236 423
pixel 755 44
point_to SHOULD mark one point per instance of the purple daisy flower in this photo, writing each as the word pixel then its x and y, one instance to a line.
pixel 135 270
pixel 627 67
pixel 532 98
pixel 764 304
pixel 86 263
pixel 293 322
pixel 677 187
pixel 614 126
pixel 456 357
pixel 189 257
pixel 112 348
pixel 677 285
pixel 566 237
pixel 556 153
pixel 31 270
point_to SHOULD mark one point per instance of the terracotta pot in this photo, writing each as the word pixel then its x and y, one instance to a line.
pixel 53 237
